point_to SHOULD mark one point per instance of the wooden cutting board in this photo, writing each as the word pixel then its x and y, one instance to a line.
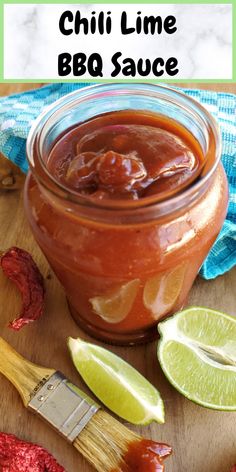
pixel 203 440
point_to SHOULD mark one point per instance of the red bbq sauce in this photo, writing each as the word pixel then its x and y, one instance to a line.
pixel 143 202
pixel 144 456
pixel 125 155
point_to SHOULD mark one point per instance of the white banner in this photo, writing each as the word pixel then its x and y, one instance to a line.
pixel 185 41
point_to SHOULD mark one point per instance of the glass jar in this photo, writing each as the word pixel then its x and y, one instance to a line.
pixel 125 265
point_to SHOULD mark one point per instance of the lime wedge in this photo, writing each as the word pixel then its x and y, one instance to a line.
pixel 118 385
pixel 197 352
pixel 115 306
pixel 162 291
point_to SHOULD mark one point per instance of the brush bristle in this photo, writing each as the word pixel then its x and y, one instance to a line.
pixel 104 442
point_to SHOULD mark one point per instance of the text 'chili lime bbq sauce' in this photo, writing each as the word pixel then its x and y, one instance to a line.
pixel 121 276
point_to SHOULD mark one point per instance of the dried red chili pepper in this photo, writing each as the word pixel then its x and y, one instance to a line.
pixel 20 268
pixel 233 469
pixel 20 456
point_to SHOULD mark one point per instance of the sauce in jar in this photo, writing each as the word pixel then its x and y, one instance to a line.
pixel 126 155
pixel 125 203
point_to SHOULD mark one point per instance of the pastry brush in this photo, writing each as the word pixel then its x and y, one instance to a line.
pixel 106 443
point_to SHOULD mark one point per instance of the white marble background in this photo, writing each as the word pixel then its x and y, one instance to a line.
pixel 202 44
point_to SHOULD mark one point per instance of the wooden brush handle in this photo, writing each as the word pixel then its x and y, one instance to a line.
pixel 24 375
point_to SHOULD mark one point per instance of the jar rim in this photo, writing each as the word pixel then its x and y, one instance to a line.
pixel 164 203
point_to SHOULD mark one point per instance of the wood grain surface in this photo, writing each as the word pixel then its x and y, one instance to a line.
pixel 203 440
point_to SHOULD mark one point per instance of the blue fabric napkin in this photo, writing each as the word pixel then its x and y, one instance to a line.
pixel 17 113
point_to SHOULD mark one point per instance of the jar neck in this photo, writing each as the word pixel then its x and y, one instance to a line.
pixel 128 217
pixel 95 99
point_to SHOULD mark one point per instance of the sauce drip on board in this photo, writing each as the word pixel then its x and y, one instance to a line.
pixel 125 155
pixel 144 456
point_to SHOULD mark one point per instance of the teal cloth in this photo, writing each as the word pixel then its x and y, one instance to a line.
pixel 18 112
